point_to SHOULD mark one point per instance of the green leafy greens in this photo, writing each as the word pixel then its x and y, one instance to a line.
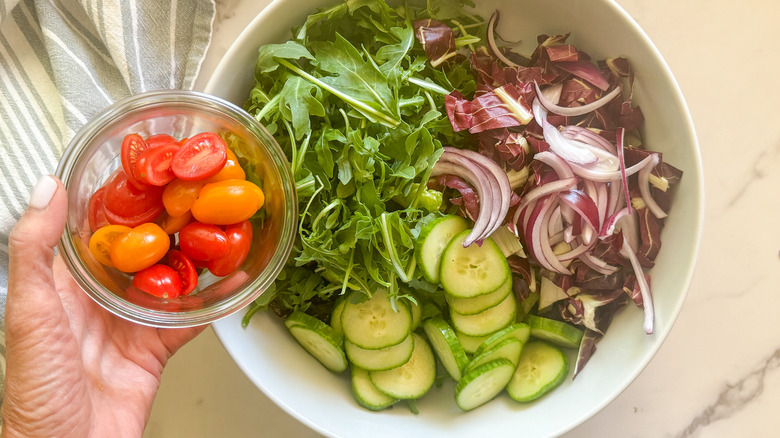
pixel 359 112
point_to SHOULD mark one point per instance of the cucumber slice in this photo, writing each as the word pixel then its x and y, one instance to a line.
pixel 476 270
pixel 484 383
pixel 480 303
pixel 509 348
pixel 541 369
pixel 470 343
pixel 520 330
pixel 433 238
pixel 446 345
pixel 380 359
pixel 374 324
pixel 558 332
pixel 412 379
pixel 366 394
pixel 335 315
pixel 318 339
pixel 489 321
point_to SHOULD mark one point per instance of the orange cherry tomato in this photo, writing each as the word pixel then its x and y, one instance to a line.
pixel 231 170
pixel 103 239
pixel 179 195
pixel 139 248
pixel 173 224
pixel 227 202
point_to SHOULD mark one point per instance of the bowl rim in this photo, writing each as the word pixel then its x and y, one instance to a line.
pixel 225 307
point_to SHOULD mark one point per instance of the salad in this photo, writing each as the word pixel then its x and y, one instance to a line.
pixel 461 203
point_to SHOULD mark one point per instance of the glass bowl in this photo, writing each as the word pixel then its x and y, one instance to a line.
pixel 94 153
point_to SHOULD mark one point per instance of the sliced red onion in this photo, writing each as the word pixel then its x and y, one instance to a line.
pixel 561 167
pixel 583 205
pixel 585 135
pixel 623 178
pixel 547 189
pixel 575 252
pixel 608 176
pixel 644 288
pixel 558 144
pixel 597 264
pixel 608 228
pixel 471 173
pixel 644 187
pixel 577 110
pixel 538 239
pixel 491 41
pixel 614 200
pixel 586 70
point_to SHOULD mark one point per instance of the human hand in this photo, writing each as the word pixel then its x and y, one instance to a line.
pixel 73 369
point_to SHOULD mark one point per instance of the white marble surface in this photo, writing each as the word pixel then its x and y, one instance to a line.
pixel 718 373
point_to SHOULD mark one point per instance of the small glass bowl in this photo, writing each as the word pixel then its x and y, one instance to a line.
pixel 94 153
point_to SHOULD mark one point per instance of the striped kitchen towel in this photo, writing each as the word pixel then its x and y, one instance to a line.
pixel 62 61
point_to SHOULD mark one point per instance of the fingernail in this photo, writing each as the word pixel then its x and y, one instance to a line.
pixel 43 192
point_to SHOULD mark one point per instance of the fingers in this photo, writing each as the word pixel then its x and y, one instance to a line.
pixel 174 339
pixel 31 248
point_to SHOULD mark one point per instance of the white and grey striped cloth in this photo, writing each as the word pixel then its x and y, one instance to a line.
pixel 62 61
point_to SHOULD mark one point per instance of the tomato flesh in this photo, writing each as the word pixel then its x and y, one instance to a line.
pixel 203 242
pixel 160 139
pixel 96 210
pixel 123 199
pixel 201 156
pixel 185 269
pixel 141 247
pixel 159 280
pixel 240 238
pixel 153 166
pixel 133 146
pixel 103 239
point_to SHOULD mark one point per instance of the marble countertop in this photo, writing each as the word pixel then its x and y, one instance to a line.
pixel 718 373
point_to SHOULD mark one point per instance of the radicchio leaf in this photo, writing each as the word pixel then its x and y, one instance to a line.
pixel 437 39
pixel 584 69
pixel 458 111
pixel 468 200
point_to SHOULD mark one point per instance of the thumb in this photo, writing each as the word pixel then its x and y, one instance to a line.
pixel 31 245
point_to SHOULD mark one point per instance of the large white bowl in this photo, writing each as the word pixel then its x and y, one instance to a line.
pixel 323 401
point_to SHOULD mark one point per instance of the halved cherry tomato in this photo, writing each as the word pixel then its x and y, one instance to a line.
pixel 200 241
pixel 227 202
pixel 185 268
pixel 200 157
pixel 140 248
pixel 125 201
pixel 231 169
pixel 153 166
pixel 179 196
pixel 160 139
pixel 132 147
pixel 173 224
pixel 159 280
pixel 96 210
pixel 240 238
pixel 103 239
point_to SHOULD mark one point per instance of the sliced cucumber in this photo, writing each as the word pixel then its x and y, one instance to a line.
pixel 483 383
pixel 446 345
pixel 480 303
pixel 472 271
pixel 489 321
pixel 382 358
pixel 412 379
pixel 509 348
pixel 433 238
pixel 366 394
pixel 520 330
pixel 470 343
pixel 335 314
pixel 558 332
pixel 374 324
pixel 319 339
pixel 541 369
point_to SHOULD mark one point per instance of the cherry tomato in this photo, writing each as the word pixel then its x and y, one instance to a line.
pixel 96 210
pixel 160 139
pixel 173 224
pixel 200 157
pixel 129 205
pixel 158 280
pixel 132 147
pixel 240 238
pixel 140 248
pixel 153 166
pixel 179 196
pixel 200 241
pixel 185 268
pixel 231 170
pixel 103 239
pixel 227 202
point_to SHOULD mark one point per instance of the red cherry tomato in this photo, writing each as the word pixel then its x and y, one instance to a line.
pixel 231 169
pixel 240 238
pixel 133 146
pixel 159 280
pixel 140 248
pixel 200 157
pixel 185 268
pixel 160 139
pixel 179 196
pixel 128 205
pixel 153 166
pixel 200 241
pixel 227 202
pixel 96 210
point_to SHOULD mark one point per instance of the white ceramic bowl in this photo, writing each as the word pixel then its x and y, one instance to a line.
pixel 323 401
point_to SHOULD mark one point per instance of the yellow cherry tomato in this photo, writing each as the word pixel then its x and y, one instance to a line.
pixel 103 239
pixel 227 202
pixel 179 195
pixel 231 170
pixel 140 248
